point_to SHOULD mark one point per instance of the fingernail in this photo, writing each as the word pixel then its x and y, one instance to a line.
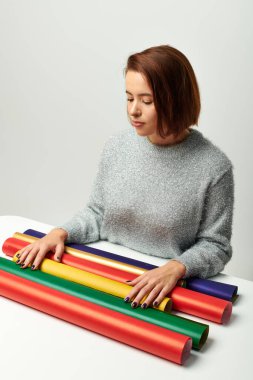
pixel 32 267
pixel 144 305
pixel 18 255
pixel 18 261
pixel 128 280
pixel 134 304
pixel 155 303
pixel 58 258
pixel 22 265
pixel 126 299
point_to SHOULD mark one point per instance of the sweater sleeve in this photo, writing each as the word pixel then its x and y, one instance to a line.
pixel 212 249
pixel 84 226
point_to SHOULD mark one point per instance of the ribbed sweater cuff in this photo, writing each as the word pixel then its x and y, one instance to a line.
pixel 185 261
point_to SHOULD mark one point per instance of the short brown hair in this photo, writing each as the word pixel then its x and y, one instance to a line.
pixel 174 85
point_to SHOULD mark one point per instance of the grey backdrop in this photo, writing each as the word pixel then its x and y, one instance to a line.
pixel 62 95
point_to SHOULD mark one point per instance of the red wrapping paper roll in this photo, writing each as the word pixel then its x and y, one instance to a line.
pixel 201 305
pixel 187 301
pixel 12 245
pixel 143 335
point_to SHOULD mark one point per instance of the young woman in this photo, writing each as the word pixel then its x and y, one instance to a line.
pixel 161 188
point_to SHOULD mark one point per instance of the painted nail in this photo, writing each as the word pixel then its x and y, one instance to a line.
pixel 18 261
pixel 155 303
pixel 128 280
pixel 126 299
pixel 144 305
pixel 18 255
pixel 32 267
pixel 134 304
pixel 22 265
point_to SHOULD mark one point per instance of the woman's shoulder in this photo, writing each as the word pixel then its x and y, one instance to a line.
pixel 213 157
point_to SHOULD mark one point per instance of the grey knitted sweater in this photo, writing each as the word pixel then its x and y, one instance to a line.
pixel 168 201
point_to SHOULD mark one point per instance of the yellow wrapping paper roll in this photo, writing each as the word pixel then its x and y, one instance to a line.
pixel 94 281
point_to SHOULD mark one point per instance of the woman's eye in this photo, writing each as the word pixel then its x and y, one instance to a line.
pixel 130 100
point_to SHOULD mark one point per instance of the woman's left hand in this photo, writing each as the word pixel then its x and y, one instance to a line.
pixel 156 283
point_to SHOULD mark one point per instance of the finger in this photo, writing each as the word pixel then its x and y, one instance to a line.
pixel 152 296
pixel 40 257
pixel 29 258
pixel 24 254
pixel 59 250
pixel 134 291
pixel 20 251
pixel 130 282
pixel 135 280
pixel 144 292
pixel 23 250
pixel 163 293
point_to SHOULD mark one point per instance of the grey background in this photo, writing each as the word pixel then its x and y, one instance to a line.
pixel 62 93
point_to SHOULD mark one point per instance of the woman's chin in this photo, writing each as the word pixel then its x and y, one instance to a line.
pixel 141 131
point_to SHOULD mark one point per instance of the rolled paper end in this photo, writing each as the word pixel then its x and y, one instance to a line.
pixel 203 338
pixel 165 305
pixel 168 306
pixel 234 296
pixel 9 248
pixel 186 351
pixel 5 247
pixel 227 313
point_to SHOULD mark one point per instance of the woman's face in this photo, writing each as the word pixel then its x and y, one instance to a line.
pixel 140 104
pixel 141 108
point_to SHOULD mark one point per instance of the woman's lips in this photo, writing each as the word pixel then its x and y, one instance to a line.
pixel 137 124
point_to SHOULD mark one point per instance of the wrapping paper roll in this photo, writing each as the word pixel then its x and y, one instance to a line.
pixel 205 286
pixel 201 305
pixel 12 245
pixel 198 332
pixel 134 332
pixel 86 255
pixel 197 304
pixel 93 281
pixel 213 288
pixel 98 252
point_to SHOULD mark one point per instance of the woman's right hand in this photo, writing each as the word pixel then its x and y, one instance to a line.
pixel 34 253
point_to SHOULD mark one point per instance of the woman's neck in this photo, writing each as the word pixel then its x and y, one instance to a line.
pixel 169 140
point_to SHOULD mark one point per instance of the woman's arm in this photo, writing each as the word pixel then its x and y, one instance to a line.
pixel 205 258
pixel 212 249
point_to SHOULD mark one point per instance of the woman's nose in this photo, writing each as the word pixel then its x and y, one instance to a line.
pixel 135 110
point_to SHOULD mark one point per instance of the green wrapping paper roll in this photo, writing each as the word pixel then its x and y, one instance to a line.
pixel 195 330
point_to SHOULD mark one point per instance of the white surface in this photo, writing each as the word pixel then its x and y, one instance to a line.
pixel 37 345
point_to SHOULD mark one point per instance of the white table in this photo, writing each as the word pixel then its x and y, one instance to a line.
pixel 34 345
